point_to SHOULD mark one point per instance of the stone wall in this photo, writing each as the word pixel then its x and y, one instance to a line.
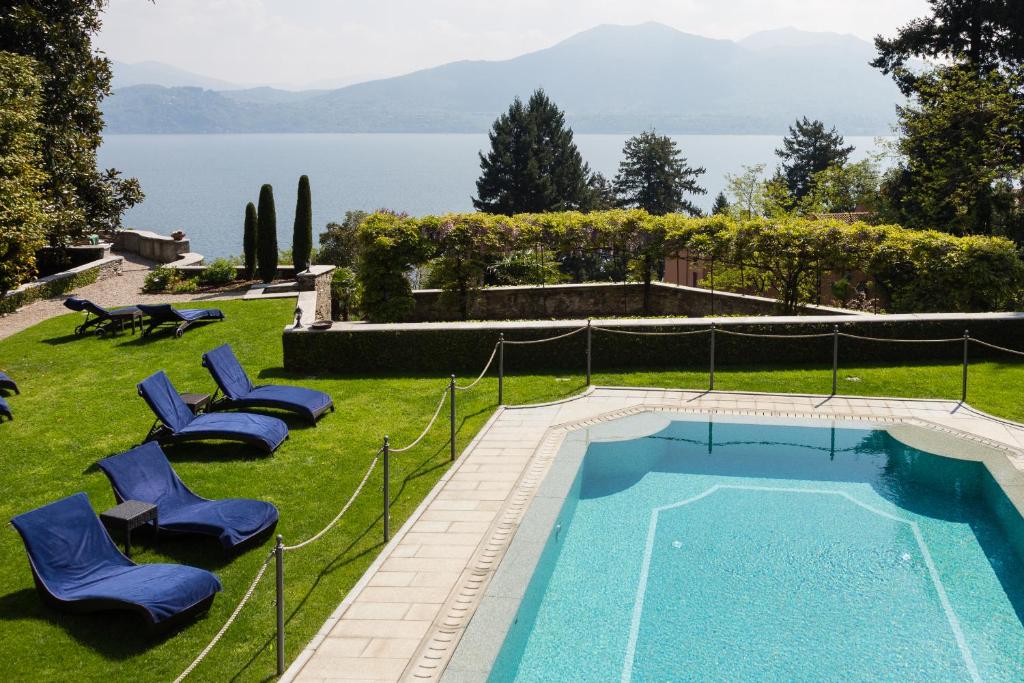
pixel 597 300
pixel 61 283
pixel 150 245
pixel 318 279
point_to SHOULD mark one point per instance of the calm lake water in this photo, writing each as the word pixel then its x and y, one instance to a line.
pixel 201 183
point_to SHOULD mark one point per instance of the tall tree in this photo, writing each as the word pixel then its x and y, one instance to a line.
pixel 654 176
pixel 22 207
pixel 721 205
pixel 302 232
pixel 266 235
pixel 249 241
pixel 809 149
pixel 75 78
pixel 533 165
pixel 981 34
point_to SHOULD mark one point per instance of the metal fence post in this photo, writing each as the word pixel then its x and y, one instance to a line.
pixel 835 357
pixel 711 378
pixel 501 368
pixel 279 556
pixel 588 350
pixel 451 396
pixel 963 392
pixel 387 491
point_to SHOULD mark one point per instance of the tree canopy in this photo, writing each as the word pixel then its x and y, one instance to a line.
pixel 533 164
pixel 808 149
pixel 655 177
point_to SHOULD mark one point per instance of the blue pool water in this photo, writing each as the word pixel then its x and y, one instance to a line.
pixel 783 553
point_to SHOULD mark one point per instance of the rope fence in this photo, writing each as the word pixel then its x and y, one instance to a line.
pixel 383 454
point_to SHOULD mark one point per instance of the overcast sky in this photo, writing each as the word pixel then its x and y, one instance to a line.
pixel 304 43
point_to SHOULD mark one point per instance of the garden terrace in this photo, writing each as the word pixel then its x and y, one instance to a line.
pixel 78 404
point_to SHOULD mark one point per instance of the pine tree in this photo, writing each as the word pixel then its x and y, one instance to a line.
pixel 655 177
pixel 721 205
pixel 809 149
pixel 266 235
pixel 302 234
pixel 249 241
pixel 533 164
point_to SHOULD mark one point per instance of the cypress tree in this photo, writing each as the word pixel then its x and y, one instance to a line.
pixel 302 233
pixel 249 241
pixel 266 235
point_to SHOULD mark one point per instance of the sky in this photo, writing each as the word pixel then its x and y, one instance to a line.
pixel 329 43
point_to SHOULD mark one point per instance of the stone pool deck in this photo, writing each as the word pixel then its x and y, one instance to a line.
pixel 404 619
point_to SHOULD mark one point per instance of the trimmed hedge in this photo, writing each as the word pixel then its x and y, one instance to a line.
pixel 465 349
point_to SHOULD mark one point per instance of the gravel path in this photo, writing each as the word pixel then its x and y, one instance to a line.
pixel 124 290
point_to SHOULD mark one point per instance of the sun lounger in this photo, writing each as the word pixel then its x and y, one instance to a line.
pixel 6 383
pixel 143 473
pixel 77 567
pixel 175 422
pixel 239 391
pixel 103 319
pixel 183 318
pixel 5 409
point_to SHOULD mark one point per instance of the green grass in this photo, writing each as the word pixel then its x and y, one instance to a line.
pixel 78 405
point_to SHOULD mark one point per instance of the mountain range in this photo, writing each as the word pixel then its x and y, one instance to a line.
pixel 609 79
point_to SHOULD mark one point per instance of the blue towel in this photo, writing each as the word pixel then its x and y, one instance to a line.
pixel 165 402
pixel 239 389
pixel 143 473
pixel 5 409
pixel 7 383
pixel 167 313
pixel 75 560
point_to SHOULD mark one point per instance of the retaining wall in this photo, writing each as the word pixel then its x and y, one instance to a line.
pixel 463 348
pixel 61 283
pixel 150 245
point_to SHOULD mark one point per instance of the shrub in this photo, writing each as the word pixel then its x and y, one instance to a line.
pixel 160 279
pixel 249 241
pixel 302 233
pixel 339 245
pixel 343 293
pixel 266 235
pixel 220 272
pixel 390 245
pixel 185 286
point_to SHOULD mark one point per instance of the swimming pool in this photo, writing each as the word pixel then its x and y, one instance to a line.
pixel 739 551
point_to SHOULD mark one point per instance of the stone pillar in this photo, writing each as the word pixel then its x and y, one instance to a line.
pixel 318 279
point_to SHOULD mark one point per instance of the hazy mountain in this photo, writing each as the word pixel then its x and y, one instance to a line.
pixel 613 79
pixel 158 73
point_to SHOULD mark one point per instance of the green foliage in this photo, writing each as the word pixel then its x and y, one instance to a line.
pixel 266 235
pixel 842 189
pixel 533 164
pixel 160 279
pixel 185 286
pixel 525 267
pixel 302 235
pixel 807 150
pixel 23 219
pixel 221 272
pixel 655 177
pixel 343 292
pixel 390 245
pixel 721 205
pixel 962 154
pixel 249 241
pixel 339 245
pixel 75 79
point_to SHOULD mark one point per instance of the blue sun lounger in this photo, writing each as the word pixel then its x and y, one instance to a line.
pixel 5 408
pixel 103 319
pixel 143 473
pixel 77 567
pixel 7 383
pixel 165 314
pixel 239 391
pixel 175 422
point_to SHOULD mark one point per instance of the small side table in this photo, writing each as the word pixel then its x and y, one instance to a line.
pixel 129 515
pixel 197 403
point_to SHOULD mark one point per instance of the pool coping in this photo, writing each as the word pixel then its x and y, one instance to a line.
pixel 520 443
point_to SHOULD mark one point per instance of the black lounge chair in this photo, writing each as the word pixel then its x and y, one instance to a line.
pixel 183 318
pixel 77 567
pixel 103 319
pixel 175 422
pixel 239 391
pixel 143 473
pixel 5 409
pixel 8 384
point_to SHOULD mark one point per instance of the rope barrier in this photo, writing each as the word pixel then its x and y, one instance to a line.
pixel 653 334
pixel 774 336
pixel 901 341
pixel 430 424
pixel 998 348
pixel 486 368
pixel 245 598
pixel 548 339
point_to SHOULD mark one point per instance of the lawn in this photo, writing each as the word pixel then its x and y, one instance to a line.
pixel 79 404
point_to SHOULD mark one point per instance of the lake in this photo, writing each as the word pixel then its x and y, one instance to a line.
pixel 201 183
